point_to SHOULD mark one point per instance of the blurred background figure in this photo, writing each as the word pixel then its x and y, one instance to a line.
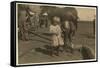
pixel 23 24
pixel 44 20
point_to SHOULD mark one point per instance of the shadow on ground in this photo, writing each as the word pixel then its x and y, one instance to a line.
pixel 46 50
pixel 88 35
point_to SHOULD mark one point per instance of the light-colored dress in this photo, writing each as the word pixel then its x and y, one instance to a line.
pixel 56 37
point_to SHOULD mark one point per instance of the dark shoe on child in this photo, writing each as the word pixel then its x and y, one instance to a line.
pixel 52 54
pixel 56 54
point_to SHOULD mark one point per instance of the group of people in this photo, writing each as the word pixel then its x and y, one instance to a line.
pixel 60 35
pixel 29 20
pixel 61 31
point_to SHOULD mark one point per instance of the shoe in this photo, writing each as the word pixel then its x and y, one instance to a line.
pixel 57 54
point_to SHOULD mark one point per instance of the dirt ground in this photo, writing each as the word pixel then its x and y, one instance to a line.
pixel 35 50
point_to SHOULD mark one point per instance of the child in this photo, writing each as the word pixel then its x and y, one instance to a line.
pixel 68 32
pixel 56 38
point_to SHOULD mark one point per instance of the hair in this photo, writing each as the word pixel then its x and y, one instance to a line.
pixel 52 19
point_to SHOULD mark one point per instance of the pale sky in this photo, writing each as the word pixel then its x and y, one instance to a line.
pixel 87 14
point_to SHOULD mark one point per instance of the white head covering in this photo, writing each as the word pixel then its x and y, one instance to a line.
pixel 32 13
pixel 45 14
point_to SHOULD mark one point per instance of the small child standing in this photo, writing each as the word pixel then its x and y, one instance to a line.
pixel 56 38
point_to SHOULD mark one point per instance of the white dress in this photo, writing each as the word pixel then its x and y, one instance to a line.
pixel 56 38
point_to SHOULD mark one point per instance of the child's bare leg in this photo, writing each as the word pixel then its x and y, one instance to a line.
pixel 52 51
pixel 61 48
pixel 57 50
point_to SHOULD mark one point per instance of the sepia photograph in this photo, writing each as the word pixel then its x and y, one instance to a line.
pixel 54 33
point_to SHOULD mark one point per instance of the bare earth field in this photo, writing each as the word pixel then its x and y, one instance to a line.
pixel 35 51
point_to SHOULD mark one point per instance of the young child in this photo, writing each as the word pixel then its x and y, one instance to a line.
pixel 56 38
